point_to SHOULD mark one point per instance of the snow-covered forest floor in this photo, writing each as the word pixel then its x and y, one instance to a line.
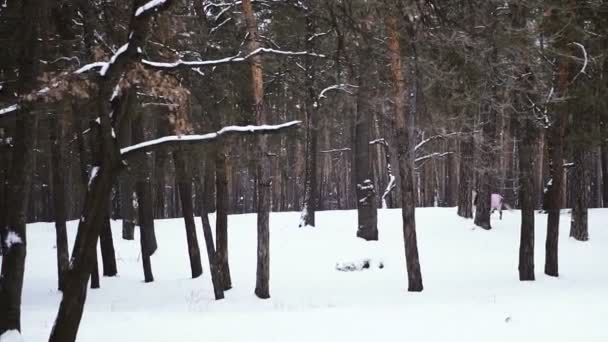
pixel 472 291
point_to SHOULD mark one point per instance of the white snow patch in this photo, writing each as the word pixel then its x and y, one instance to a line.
pixel 93 174
pixel 12 238
pixel 11 336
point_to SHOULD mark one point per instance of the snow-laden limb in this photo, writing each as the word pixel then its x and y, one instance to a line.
pixel 432 155
pixel 205 138
pixel 586 61
pixel 227 60
pixel 120 51
pixel 9 109
pixel 90 66
pixel 342 86
pixel 318 35
pixel 149 6
pixel 429 139
pixel 11 336
pixel 345 149
pixel 11 239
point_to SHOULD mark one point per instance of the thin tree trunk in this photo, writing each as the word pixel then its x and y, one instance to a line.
pixel 214 262
pixel 404 124
pixel 185 192
pixel 465 186
pixel 307 218
pixel 108 255
pixel 263 163
pixel 144 205
pixel 221 219
pixel 61 237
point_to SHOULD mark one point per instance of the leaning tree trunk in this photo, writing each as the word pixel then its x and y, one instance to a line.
pixel 184 183
pixel 57 160
pixel 212 256
pixel 263 162
pixel 404 127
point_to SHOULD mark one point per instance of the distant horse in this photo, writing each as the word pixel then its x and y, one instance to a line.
pixel 496 203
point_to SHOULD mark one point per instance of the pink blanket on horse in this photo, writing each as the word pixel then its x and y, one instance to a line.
pixel 496 202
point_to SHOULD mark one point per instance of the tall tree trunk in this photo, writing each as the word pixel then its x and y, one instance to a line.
pixel 526 198
pixel 58 154
pixel 143 188
pixel 264 179
pixel 404 124
pixel 221 216
pixel 311 107
pixel 127 211
pixel 365 188
pixel 465 186
pixel 185 192
pixel 13 234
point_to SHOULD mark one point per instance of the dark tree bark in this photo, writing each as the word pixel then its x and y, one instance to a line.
pixel 95 271
pixel 221 219
pixel 263 176
pixel 57 141
pixel 108 256
pixel 526 198
pixel 580 181
pixel 13 234
pixel 145 208
pixel 465 186
pixel 404 125
pixel 214 262
pixel 366 193
pixel 184 179
pixel 311 106
pixel 126 189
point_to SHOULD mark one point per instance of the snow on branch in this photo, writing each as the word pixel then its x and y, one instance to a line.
pixel 345 149
pixel 432 155
pixel 149 6
pixel 429 139
pixel 9 109
pixel 582 71
pixel 342 86
pixel 228 60
pixel 205 138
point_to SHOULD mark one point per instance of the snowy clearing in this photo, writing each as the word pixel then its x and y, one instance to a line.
pixel 472 292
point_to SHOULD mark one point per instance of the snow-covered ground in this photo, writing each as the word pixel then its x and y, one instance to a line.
pixel 472 292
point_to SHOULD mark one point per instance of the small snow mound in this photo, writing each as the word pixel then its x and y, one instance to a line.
pixel 11 336
pixel 360 265
pixel 12 238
